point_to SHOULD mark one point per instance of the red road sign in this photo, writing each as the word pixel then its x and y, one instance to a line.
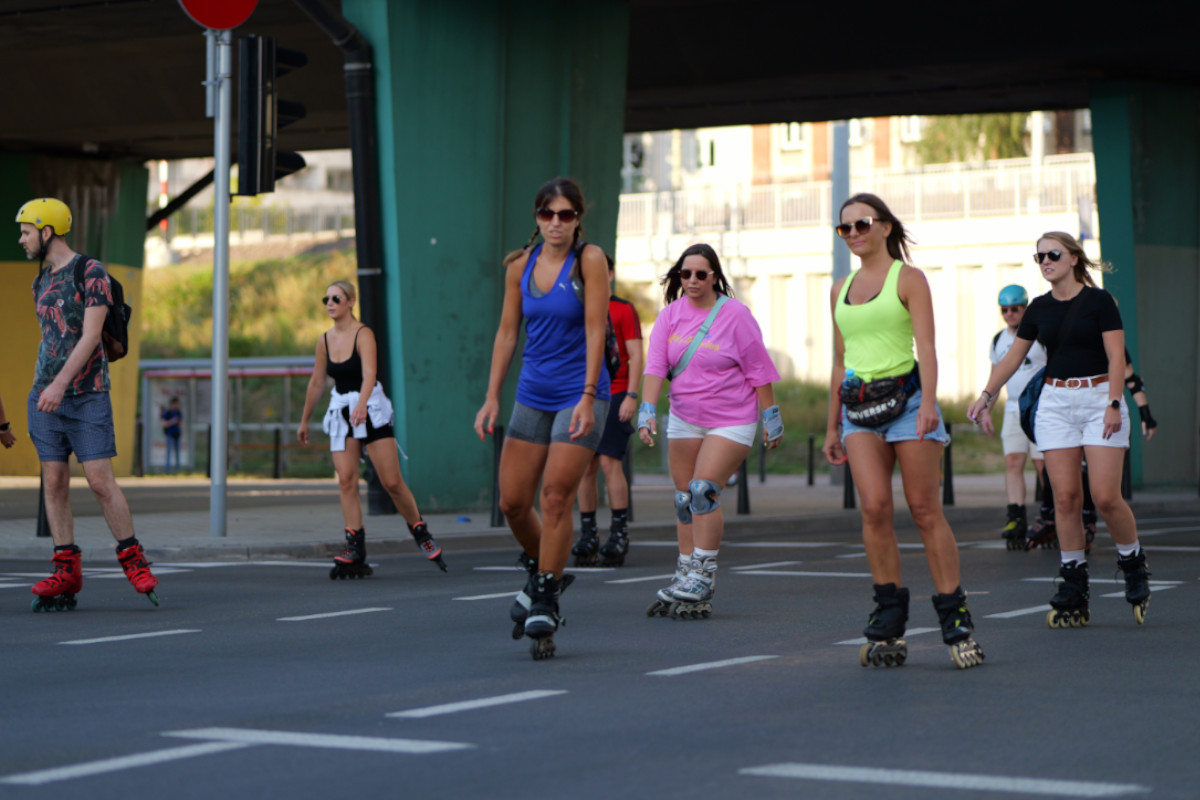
pixel 220 15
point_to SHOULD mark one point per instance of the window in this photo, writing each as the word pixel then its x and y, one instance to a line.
pixel 339 180
pixel 793 136
pixel 857 130
pixel 910 129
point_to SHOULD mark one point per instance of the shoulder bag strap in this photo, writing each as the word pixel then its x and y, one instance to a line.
pixel 697 339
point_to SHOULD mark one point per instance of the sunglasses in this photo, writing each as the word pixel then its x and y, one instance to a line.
pixel 701 274
pixel 337 300
pixel 1010 309
pixel 1054 255
pixel 862 226
pixel 565 215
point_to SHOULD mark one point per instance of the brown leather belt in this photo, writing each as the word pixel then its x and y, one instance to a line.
pixel 1077 383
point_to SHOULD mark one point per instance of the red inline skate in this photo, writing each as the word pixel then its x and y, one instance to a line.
pixel 58 591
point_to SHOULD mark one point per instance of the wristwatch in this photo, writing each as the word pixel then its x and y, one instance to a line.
pixel 634 395
pixel 1116 404
pixel 5 426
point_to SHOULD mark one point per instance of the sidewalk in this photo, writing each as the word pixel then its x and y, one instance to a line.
pixel 302 519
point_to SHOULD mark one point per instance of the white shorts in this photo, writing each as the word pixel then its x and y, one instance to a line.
pixel 742 434
pixel 1075 418
pixel 1014 439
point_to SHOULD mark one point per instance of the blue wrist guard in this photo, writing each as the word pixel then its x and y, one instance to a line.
pixel 646 412
pixel 772 423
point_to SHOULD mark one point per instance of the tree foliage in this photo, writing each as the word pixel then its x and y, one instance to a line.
pixel 973 137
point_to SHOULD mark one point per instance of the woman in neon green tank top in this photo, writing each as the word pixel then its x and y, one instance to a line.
pixel 879 313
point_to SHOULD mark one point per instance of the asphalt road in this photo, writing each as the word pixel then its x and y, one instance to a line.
pixel 270 680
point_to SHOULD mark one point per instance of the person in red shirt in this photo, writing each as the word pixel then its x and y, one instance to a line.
pixel 611 452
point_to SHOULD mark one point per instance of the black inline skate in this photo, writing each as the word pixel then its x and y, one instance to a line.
pixel 424 539
pixel 1043 533
pixel 885 628
pixel 1137 583
pixel 352 563
pixel 1015 528
pixel 586 550
pixel 955 620
pixel 544 616
pixel 1069 607
pixel 524 599
pixel 613 552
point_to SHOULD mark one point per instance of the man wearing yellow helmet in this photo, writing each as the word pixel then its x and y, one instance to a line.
pixel 69 406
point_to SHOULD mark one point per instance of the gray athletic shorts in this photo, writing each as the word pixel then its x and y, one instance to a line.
pixel 543 427
pixel 83 425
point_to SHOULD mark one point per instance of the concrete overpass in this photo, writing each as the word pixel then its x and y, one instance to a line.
pixel 481 100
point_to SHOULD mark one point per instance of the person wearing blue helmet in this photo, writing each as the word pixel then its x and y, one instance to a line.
pixel 1013 301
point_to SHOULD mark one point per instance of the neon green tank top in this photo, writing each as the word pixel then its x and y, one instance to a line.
pixel 878 334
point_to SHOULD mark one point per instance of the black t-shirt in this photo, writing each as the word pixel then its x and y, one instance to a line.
pixel 1082 353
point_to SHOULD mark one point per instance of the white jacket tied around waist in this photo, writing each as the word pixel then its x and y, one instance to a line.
pixel 379 411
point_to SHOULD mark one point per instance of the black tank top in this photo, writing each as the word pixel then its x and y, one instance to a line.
pixel 347 375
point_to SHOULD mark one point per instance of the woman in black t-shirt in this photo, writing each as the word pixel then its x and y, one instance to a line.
pixel 1081 413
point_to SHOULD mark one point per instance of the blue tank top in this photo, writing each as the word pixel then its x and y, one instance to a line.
pixel 554 367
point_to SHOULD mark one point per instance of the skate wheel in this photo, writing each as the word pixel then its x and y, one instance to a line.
pixel 1139 611
pixel 1052 619
pixel 864 654
pixel 440 563
pixel 900 658
pixel 153 597
pixel 37 605
pixel 655 608
pixel 333 573
pixel 888 660
pixel 543 648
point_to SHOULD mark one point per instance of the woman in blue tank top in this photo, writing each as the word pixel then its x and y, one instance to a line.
pixel 560 288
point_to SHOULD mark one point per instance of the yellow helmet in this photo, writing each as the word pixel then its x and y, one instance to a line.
pixel 46 211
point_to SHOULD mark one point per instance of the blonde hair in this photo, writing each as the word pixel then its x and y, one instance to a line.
pixel 348 288
pixel 1083 263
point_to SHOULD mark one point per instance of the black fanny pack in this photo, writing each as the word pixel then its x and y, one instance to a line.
pixel 870 405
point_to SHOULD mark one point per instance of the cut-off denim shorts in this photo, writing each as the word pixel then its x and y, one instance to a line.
pixel 903 428
pixel 83 425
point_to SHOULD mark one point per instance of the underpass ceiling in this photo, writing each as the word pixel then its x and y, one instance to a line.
pixel 122 77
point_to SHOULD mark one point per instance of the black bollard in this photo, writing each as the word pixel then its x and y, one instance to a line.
pixel 848 489
pixel 498 446
pixel 743 489
pixel 762 461
pixel 43 525
pixel 277 472
pixel 1127 477
pixel 812 449
pixel 627 468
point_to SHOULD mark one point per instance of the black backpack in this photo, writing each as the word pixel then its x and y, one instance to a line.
pixel 115 335
pixel 612 351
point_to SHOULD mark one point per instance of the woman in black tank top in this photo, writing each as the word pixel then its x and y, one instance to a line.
pixel 346 353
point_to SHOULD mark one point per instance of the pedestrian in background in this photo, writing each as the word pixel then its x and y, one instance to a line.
pixel 1081 414
pixel 172 427
pixel 882 411
pixel 359 418
pixel 559 288
pixel 69 409
pixel 7 437
pixel 711 349
pixel 610 453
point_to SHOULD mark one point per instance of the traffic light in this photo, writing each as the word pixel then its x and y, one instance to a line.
pixel 261 113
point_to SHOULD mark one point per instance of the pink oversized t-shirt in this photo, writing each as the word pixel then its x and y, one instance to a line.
pixel 718 387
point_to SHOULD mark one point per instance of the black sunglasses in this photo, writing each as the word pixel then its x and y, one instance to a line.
pixel 862 226
pixel 566 215
pixel 1010 309
pixel 336 298
pixel 1054 255
pixel 701 274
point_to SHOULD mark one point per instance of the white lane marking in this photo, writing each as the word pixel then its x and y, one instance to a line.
pixel 1114 581
pixel 123 762
pixel 946 780
pixel 488 596
pixel 513 568
pixel 644 580
pixel 331 614
pixel 852 555
pixel 114 574
pixel 1020 612
pixel 129 636
pixel 729 662
pixel 910 632
pixel 323 740
pixel 1158 548
pixel 767 566
pixel 801 574
pixel 1152 586
pixel 468 705
pixel 14 585
pixel 807 545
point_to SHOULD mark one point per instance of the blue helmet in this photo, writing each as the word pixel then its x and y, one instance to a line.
pixel 1014 295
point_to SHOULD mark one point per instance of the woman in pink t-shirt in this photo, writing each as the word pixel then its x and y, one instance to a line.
pixel 715 400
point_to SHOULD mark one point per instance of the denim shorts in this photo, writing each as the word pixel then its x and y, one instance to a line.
pixel 83 425
pixel 543 427
pixel 903 428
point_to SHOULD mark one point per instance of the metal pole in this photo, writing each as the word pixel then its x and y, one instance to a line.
pixel 948 473
pixel 839 189
pixel 627 468
pixel 848 489
pixel 43 524
pixel 812 446
pixel 222 126
pixel 498 446
pixel 743 506
pixel 762 461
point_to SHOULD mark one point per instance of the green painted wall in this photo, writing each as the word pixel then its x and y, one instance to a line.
pixel 480 102
pixel 1146 139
